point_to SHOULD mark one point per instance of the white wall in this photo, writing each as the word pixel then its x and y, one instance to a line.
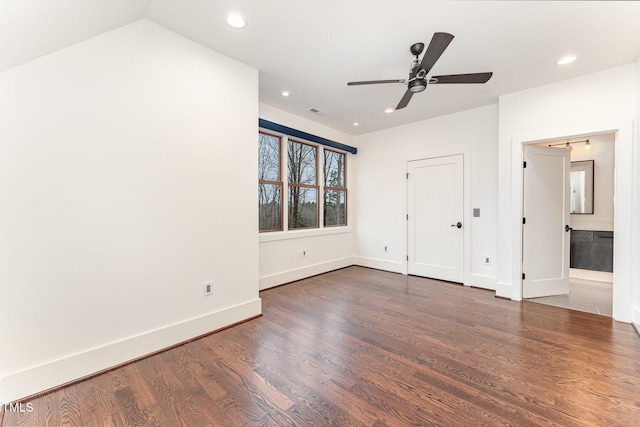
pixel 326 249
pixel 602 153
pixel 127 179
pixel 380 168
pixel 598 102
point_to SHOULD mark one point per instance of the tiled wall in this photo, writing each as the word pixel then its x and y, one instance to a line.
pixel 592 250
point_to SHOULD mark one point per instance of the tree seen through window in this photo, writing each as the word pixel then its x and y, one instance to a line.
pixel 270 183
pixel 335 192
pixel 303 186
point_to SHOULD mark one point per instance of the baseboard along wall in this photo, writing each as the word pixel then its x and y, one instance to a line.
pixel 38 379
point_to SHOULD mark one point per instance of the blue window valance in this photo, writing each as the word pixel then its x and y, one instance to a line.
pixel 266 124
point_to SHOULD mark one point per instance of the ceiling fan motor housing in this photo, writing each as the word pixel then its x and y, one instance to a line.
pixel 416 48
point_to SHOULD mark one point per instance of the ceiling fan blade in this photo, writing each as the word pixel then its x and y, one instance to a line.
pixel 405 100
pixel 374 82
pixel 438 44
pixel 461 78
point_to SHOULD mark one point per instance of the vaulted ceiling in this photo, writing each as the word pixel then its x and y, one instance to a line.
pixel 312 49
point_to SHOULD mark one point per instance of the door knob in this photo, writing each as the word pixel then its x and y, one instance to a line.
pixel 567 228
pixel 459 225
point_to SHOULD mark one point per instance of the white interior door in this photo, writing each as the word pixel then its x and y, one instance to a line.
pixel 546 236
pixel 435 209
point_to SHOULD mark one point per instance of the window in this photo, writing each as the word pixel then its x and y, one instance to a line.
pixel 270 182
pixel 335 189
pixel 303 185
pixel 312 195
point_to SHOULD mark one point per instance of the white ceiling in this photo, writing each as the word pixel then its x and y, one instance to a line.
pixel 312 48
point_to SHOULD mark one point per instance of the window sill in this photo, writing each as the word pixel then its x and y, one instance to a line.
pixel 301 234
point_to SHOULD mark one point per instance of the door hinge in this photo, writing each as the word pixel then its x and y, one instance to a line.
pixel 523 276
pixel 407 217
pixel 407 257
pixel 524 164
pixel 524 220
pixel 407 175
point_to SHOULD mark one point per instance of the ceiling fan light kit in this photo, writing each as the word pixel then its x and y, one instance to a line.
pixel 417 85
pixel 417 81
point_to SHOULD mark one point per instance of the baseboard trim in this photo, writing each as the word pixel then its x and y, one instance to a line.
pixel 636 328
pixel 504 290
pixel 635 321
pixel 596 276
pixel 379 264
pixel 281 278
pixel 484 282
pixel 43 378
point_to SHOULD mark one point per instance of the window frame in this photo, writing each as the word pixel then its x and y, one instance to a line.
pixel 316 186
pixel 292 233
pixel 332 188
pixel 279 182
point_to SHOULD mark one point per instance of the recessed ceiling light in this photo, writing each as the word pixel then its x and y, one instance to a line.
pixel 236 20
pixel 566 60
pixel 356 124
pixel 389 110
pixel 285 93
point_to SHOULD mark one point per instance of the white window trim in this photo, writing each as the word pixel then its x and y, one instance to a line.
pixel 273 236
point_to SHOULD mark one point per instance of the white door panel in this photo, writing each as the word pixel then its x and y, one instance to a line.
pixel 546 209
pixel 435 206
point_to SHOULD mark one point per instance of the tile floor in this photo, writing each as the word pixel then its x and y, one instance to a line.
pixel 584 295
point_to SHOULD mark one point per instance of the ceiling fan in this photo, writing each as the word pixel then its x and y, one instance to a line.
pixel 417 81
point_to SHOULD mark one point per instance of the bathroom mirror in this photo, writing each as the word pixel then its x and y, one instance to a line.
pixel 582 187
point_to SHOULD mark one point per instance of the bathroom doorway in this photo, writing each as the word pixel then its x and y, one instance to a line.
pixel 592 223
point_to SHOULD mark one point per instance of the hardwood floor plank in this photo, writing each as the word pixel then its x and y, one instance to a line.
pixel 98 403
pixel 69 407
pixel 177 402
pixel 188 363
pixel 301 378
pixel 147 409
pixel 361 347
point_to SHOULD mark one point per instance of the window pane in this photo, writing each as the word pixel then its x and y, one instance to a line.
pixel 302 163
pixel 268 157
pixel 335 208
pixel 270 206
pixel 303 207
pixel 333 169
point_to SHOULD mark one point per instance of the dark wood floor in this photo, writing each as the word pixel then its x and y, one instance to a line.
pixel 368 348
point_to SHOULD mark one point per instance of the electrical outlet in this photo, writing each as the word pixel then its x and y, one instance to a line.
pixel 302 253
pixel 208 288
pixel 487 260
pixel 386 248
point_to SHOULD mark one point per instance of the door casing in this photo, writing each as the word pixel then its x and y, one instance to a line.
pixel 625 187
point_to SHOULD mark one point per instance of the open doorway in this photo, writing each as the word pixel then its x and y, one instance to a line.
pixel 592 223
